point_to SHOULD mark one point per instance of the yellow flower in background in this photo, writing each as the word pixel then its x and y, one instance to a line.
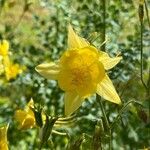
pixel 4 46
pixel 6 66
pixel 12 70
pixel 3 138
pixel 81 72
pixel 26 117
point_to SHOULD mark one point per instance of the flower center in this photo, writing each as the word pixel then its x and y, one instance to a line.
pixel 80 71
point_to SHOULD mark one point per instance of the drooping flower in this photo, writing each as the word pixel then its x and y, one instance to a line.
pixel 26 117
pixel 3 138
pixel 81 72
pixel 4 46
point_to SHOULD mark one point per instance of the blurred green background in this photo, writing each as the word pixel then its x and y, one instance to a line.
pixel 37 32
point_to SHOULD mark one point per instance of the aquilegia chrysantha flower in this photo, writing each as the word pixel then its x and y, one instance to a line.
pixel 10 69
pixel 3 138
pixel 26 117
pixel 81 72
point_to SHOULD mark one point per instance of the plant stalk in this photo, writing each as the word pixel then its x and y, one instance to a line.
pixel 122 110
pixel 147 13
pixel 104 24
pixel 106 120
pixel 141 48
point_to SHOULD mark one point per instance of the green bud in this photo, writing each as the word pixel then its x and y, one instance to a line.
pixel 47 129
pixel 38 116
pixel 141 10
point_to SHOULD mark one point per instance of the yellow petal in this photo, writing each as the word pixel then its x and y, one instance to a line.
pixel 3 145
pixel 48 70
pixel 72 102
pixel 74 41
pixel 30 104
pixel 25 119
pixel 3 137
pixel 6 61
pixel 12 70
pixel 28 122
pixel 20 115
pixel 3 133
pixel 107 61
pixel 4 46
pixel 106 89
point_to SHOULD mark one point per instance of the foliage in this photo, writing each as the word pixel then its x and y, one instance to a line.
pixel 38 33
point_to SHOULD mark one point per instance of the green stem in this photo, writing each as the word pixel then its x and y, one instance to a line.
pixel 2 3
pixel 141 49
pixel 104 25
pixel 147 14
pixel 122 110
pixel 103 110
pixel 148 91
pixel 106 120
pixel 17 24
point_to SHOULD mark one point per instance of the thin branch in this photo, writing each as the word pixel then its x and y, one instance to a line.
pixel 147 13
pixel 104 25
pixel 106 120
pixel 141 49
pixel 122 110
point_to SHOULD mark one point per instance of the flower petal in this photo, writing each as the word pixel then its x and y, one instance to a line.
pixel 20 115
pixel 72 102
pixel 3 133
pixel 3 137
pixel 29 105
pixel 27 123
pixel 4 46
pixel 74 41
pixel 107 61
pixel 48 70
pixel 26 120
pixel 106 89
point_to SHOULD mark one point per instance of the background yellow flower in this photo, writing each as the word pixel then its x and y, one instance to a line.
pixel 26 117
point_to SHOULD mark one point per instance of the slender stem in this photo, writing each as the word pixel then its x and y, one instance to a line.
pixel 17 24
pixel 103 110
pixel 147 14
pixel 141 49
pixel 148 90
pixel 106 120
pixel 2 3
pixel 97 96
pixel 122 110
pixel 141 15
pixel 104 24
pixel 20 19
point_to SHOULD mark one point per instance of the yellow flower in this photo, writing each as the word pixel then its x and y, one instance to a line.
pixel 4 46
pixel 81 72
pixel 26 117
pixel 3 138
pixel 12 70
